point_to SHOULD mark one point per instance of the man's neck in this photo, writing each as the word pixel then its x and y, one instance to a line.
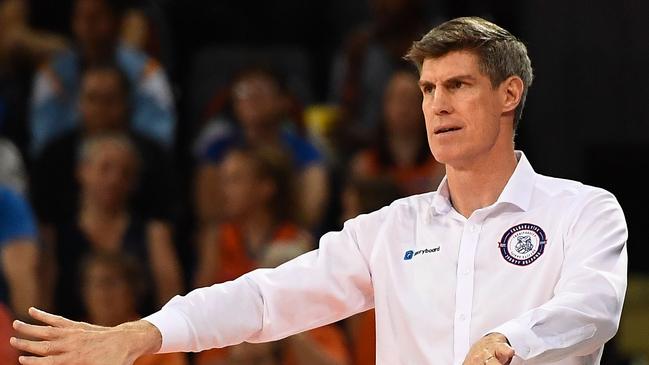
pixel 479 184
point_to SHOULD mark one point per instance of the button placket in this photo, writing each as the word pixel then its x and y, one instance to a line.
pixel 464 290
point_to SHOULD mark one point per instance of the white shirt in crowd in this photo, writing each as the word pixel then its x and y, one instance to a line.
pixel 545 265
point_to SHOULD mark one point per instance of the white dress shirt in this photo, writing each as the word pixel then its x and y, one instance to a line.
pixel 545 265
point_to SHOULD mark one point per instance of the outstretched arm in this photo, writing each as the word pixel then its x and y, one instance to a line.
pixel 315 289
pixel 66 342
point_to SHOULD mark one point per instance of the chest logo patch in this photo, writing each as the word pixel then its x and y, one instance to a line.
pixel 522 244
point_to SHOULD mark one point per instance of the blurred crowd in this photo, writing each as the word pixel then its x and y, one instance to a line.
pixel 104 215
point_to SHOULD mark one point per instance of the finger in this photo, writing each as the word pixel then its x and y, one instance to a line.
pixel 42 332
pixel 33 360
pixel 51 319
pixel 42 348
pixel 504 352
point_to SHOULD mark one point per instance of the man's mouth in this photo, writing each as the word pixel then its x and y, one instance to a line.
pixel 446 130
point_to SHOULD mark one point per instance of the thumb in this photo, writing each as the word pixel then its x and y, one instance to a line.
pixel 504 353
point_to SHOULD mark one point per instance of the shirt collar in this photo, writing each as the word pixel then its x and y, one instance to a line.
pixel 518 190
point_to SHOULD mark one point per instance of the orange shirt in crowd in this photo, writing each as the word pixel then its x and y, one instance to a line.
pixel 331 340
pixel 417 179
pixel 240 261
pixel 8 355
pixel 364 338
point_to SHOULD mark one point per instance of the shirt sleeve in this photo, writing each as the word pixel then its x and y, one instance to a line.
pixel 585 310
pixel 317 288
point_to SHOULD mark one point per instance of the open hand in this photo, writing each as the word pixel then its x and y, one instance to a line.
pixel 66 342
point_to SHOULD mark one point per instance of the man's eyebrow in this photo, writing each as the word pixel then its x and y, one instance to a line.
pixel 424 83
pixel 460 78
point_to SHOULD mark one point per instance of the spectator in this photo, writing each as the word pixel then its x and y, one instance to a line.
pixel 260 107
pixel 370 55
pixel 401 151
pixel 112 288
pixel 96 24
pixel 107 168
pixel 103 108
pixel 18 261
pixel 257 187
pixel 259 233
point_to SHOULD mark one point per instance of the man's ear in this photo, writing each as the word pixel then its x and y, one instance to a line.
pixel 512 89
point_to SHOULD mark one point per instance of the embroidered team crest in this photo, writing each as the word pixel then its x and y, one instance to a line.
pixel 523 244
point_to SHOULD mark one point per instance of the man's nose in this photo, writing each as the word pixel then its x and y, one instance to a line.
pixel 440 103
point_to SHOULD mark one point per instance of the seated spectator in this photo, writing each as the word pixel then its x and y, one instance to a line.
pixel 103 108
pixel 107 168
pixel 402 151
pixel 257 204
pixel 95 25
pixel 260 108
pixel 18 263
pixel 259 233
pixel 112 288
pixel 364 195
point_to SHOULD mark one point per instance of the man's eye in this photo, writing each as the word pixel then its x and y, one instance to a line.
pixel 457 84
pixel 428 89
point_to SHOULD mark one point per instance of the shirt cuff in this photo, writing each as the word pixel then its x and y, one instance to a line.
pixel 520 338
pixel 171 324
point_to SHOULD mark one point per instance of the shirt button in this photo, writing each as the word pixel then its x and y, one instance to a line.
pixel 461 317
pixel 473 228
pixel 465 271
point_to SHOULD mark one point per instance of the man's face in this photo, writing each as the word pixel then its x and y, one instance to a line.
pixel 102 103
pixel 462 109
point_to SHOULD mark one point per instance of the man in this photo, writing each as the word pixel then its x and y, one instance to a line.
pixel 500 265
pixel 95 24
